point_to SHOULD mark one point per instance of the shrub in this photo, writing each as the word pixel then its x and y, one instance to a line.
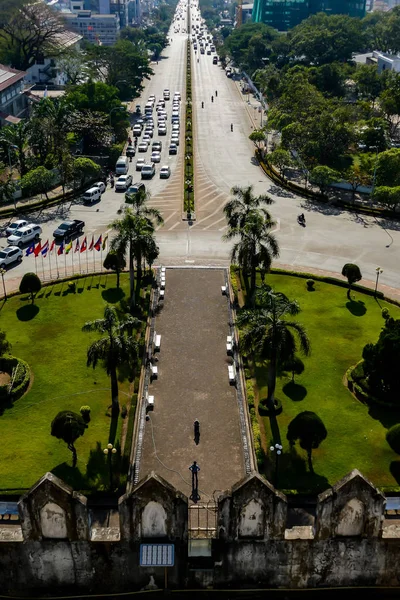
pixel 85 412
pixel 310 284
pixel 259 452
pixel 136 385
pixel 72 286
pixel 30 284
pixel 393 438
pixel 22 377
pixel 263 408
pixel 250 393
pixel 385 313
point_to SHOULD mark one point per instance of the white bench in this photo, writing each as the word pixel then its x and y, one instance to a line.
pixel 229 339
pixel 162 271
pixel 229 348
pixel 162 295
pixel 162 283
pixel 157 342
pixel 154 371
pixel 231 374
pixel 150 402
pixel 223 290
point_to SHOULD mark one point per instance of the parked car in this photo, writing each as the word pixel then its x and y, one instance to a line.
pixel 148 171
pixel 92 195
pixel 10 255
pixel 123 182
pixel 173 148
pixel 68 229
pixel 175 138
pixel 165 172
pixel 12 228
pixel 101 185
pixel 156 157
pixel 162 130
pixel 25 235
pixel 139 164
pixel 131 151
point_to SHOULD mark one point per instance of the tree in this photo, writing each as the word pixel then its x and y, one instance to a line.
pixel 72 64
pixel 323 176
pixel 50 124
pixel 258 138
pixel 389 101
pixel 256 248
pixel 381 363
pixel 369 83
pixel 30 284
pixel 388 168
pixel 114 349
pixel 353 274
pixel 393 438
pixel 270 335
pixel 93 128
pixel 5 346
pixel 96 96
pixel 83 170
pixel 309 429
pixel 387 196
pixel 243 203
pixel 68 426
pixel 38 180
pixel 7 188
pixel 295 365
pixel 139 207
pixel 14 144
pixel 115 261
pixel 358 174
pixel 281 159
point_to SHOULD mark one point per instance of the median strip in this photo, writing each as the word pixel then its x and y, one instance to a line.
pixel 188 197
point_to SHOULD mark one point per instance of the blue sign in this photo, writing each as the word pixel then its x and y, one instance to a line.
pixel 157 555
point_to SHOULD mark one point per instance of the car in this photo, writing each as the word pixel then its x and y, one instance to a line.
pixel 146 139
pixel 152 98
pixel 161 121
pixel 175 138
pixel 162 131
pixel 137 130
pixel 156 146
pixel 165 172
pixel 130 151
pixel 12 228
pixel 10 255
pixel 123 182
pixel 143 147
pixel 175 113
pixel 148 117
pixel 138 109
pixel 24 235
pixel 139 122
pixel 166 94
pixel 175 127
pixel 175 119
pixel 177 95
pixel 139 164
pixel 215 60
pixel 173 148
pixel 148 171
pixel 161 113
pixel 148 131
pixel 101 185
pixel 161 103
pixel 68 229
pixel 155 157
pixel 202 50
pixel 134 189
pixel 209 51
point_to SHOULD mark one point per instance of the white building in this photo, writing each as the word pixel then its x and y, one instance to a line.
pixel 47 69
pixel 386 62
pixel 13 99
pixel 96 28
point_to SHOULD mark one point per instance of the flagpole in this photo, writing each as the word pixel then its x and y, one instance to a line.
pixel 58 273
pixel 87 261
pixel 79 258
pixel 65 263
pixel 51 277
pixel 42 266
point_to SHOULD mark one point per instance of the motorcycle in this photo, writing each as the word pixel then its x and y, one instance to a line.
pixel 301 220
pixel 111 182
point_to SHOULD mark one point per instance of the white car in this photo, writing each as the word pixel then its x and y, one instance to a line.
pixel 10 255
pixel 146 139
pixel 165 172
pixel 175 127
pixel 162 131
pixel 149 131
pixel 123 182
pixel 25 235
pixel 177 95
pixel 155 157
pixel 166 94
pixel 143 146
pixel 139 164
pixel 175 138
pixel 101 185
pixel 12 228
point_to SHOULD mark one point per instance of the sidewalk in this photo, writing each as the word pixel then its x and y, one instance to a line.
pixel 25 202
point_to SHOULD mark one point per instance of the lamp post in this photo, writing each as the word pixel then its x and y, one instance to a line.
pixel 379 271
pixel 278 451
pixel 2 273
pixel 109 451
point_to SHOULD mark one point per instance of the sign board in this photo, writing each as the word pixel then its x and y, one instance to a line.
pixel 157 555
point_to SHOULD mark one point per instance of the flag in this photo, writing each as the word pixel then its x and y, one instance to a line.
pixel 61 249
pixel 37 249
pixel 30 249
pixel 84 245
pixel 68 247
pixel 45 248
pixel 53 243
pixel 45 92
pixel 98 244
pixel 91 244
pixel 105 241
pixel 77 246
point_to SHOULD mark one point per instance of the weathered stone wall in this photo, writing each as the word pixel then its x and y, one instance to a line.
pixel 55 549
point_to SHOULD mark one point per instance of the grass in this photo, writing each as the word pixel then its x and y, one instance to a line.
pixel 49 337
pixel 338 330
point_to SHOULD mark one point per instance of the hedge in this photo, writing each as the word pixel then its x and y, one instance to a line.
pixel 360 393
pixel 22 379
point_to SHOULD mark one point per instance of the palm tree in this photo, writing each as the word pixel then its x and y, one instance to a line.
pixel 115 348
pixel 243 203
pixel 256 247
pixel 138 204
pixel 14 140
pixel 50 124
pixel 268 333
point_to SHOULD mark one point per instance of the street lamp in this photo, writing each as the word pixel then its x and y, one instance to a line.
pixel 278 451
pixel 109 451
pixel 379 271
pixel 2 273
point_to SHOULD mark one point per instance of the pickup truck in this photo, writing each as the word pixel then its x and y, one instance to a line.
pixel 69 229
pixel 25 235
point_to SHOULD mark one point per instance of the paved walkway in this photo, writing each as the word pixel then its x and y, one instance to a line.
pixel 193 384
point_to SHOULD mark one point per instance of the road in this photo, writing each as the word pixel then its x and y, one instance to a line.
pixel 222 159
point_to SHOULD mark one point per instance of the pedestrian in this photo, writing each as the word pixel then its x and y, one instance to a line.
pixel 194 468
pixel 231 126
pixel 216 93
pixel 196 426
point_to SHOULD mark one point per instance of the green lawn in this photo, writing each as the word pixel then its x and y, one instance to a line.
pixel 52 342
pixel 338 331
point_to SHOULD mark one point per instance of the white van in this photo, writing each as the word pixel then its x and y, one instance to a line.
pixel 92 195
pixel 122 165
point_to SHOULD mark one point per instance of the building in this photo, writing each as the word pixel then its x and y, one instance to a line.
pixel 95 28
pixel 285 14
pixel 46 68
pixel 385 62
pixel 13 100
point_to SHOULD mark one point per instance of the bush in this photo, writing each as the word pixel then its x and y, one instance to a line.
pixel 259 452
pixel 264 410
pixel 30 284
pixel 85 412
pixel 250 393
pixel 310 284
pixel 385 313
pixel 22 378
pixel 72 286
pixel 393 438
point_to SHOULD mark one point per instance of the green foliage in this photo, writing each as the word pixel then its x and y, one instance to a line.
pixel 385 313
pixel 38 180
pixel 381 363
pixel 22 376
pixel 249 44
pixel 393 438
pixel 388 168
pixel 309 429
pixel 387 196
pixel 323 176
pixel 85 413
pixel 68 426
pixel 310 284
pixel 5 346
pixel 115 261
pixel 30 284
pixel 294 364
pixel 281 159
pixel 85 169
pixel 352 273
pixel 96 96
pixel 257 137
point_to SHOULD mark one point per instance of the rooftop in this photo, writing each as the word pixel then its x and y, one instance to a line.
pixel 8 76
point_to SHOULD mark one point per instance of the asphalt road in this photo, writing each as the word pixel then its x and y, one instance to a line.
pixel 222 159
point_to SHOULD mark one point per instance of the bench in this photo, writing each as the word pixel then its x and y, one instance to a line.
pixel 157 342
pixel 162 283
pixel 223 290
pixel 154 371
pixel 229 348
pixel 231 374
pixel 162 295
pixel 162 271
pixel 150 403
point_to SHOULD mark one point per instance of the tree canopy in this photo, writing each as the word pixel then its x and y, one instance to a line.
pixel 309 429
pixel 381 363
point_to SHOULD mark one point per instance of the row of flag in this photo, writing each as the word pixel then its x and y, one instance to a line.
pixel 47 249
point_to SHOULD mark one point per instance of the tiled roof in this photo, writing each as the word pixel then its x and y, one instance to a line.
pixel 8 76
